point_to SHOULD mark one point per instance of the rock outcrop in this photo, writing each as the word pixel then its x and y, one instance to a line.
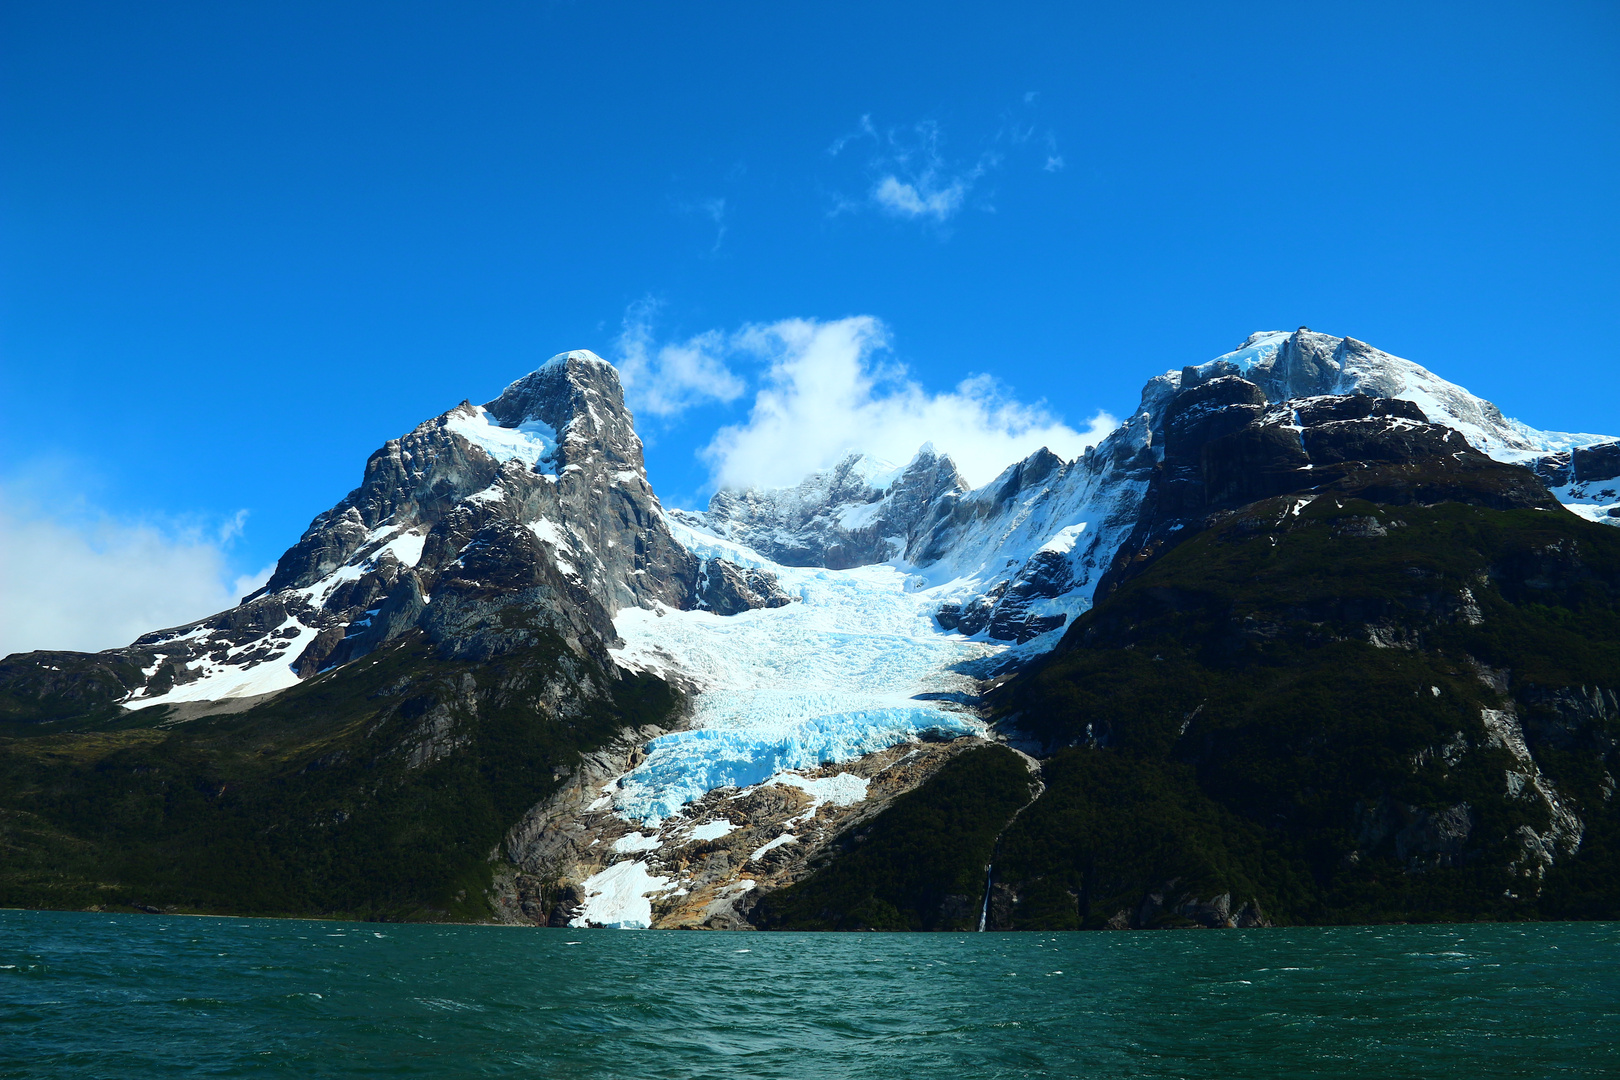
pixel 484 527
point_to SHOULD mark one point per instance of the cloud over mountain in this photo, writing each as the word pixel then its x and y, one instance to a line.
pixel 825 394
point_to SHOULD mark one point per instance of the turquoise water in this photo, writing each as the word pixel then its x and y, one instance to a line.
pixel 86 995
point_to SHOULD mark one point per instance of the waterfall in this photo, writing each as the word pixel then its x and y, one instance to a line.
pixel 984 909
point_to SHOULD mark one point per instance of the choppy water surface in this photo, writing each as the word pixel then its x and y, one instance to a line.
pixel 85 995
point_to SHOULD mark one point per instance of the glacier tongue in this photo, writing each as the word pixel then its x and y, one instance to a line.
pixel 828 678
pixel 885 562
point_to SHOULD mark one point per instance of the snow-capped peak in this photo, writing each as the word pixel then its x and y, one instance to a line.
pixel 1307 364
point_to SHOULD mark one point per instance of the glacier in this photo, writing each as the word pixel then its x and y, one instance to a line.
pixel 845 670
pixel 831 677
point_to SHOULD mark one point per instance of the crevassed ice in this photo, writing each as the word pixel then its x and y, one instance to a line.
pixel 828 678
pixel 682 767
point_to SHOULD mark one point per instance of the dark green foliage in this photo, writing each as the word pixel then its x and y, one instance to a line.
pixel 919 865
pixel 1241 731
pixel 46 687
pixel 378 791
pixel 1109 822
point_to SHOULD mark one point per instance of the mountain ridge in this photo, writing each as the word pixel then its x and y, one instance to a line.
pixel 801 632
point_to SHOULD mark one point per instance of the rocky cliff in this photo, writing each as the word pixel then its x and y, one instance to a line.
pixel 1314 634
pixel 1345 667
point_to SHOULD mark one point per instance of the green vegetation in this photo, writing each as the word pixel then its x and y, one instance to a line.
pixel 1110 826
pixel 378 791
pixel 1279 709
pixel 920 864
pixel 1242 732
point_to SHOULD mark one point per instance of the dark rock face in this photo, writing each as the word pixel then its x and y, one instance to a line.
pixel 1047 575
pixel 1572 718
pixel 602 492
pixel 1593 464
pixel 728 589
pixel 1435 837
pixel 1224 448
pixel 972 618
pixel 486 527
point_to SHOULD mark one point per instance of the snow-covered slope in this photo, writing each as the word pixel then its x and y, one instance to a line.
pixel 538 497
pixel 1306 364
pixel 809 618
pixel 815 624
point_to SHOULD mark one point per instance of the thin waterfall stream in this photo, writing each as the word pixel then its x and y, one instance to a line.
pixel 1038 787
pixel 984 910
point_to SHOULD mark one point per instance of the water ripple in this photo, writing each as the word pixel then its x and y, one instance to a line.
pixel 313 1000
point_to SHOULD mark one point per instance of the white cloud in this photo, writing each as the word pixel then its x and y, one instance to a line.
pixel 905 200
pixel 713 209
pixel 824 397
pixel 663 380
pixel 1054 160
pixel 90 583
pixel 912 178
pixel 863 130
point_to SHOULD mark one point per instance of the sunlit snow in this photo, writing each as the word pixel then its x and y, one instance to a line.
pixel 532 441
pixel 828 678
pixel 711 830
pixel 221 680
pixel 616 898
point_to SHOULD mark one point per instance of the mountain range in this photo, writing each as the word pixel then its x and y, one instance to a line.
pixel 1313 636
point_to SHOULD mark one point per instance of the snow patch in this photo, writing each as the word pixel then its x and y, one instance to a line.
pixel 772 845
pixel 549 532
pixel 616 898
pixel 712 830
pixel 637 842
pixel 221 680
pixel 1063 542
pixel 532 442
pixel 845 789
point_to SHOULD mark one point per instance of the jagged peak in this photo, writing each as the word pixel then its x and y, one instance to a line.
pixel 581 356
pixel 554 391
pixel 1306 363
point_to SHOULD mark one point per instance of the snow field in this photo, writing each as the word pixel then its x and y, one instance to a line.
pixel 531 441
pixel 225 680
pixel 711 830
pixel 222 680
pixel 827 679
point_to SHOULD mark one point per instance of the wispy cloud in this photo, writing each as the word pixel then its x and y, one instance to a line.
pixel 712 209
pixel 911 176
pixel 825 393
pixel 666 379
pixel 76 578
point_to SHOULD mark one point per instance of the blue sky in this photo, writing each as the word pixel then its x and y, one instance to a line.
pixel 243 245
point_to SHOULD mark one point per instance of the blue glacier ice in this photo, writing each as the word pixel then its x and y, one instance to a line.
pixel 683 766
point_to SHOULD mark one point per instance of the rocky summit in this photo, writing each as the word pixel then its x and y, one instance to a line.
pixel 1314 635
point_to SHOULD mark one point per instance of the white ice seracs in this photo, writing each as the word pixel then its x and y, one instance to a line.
pixel 829 678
